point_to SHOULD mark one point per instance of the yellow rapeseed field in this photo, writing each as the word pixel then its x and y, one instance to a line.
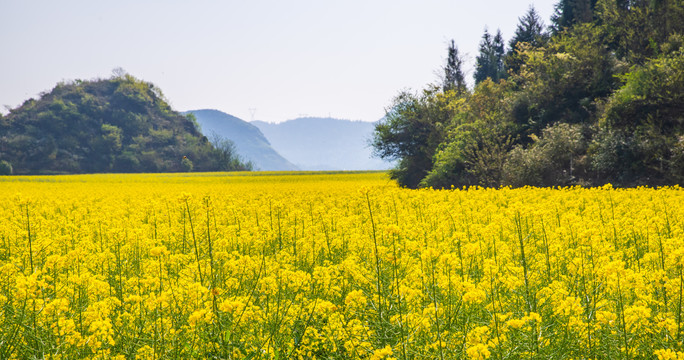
pixel 335 266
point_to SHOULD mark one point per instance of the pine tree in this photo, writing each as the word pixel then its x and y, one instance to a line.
pixel 569 12
pixel 490 61
pixel 499 53
pixel 530 30
pixel 453 75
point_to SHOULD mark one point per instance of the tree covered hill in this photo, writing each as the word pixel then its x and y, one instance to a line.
pixel 598 97
pixel 249 141
pixel 120 124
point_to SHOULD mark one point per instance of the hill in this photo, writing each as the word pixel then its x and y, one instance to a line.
pixel 120 124
pixel 596 100
pixel 323 143
pixel 250 143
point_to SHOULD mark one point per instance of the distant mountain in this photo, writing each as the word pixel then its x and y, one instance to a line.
pixel 250 143
pixel 324 143
pixel 120 124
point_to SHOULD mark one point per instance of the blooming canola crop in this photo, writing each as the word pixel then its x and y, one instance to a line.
pixel 335 266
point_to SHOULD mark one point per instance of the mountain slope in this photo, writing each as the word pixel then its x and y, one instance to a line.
pixel 324 143
pixel 120 124
pixel 250 143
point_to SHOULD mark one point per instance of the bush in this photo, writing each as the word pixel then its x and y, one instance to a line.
pixel 641 131
pixel 474 156
pixel 641 157
pixel 186 164
pixel 554 159
pixel 677 162
pixel 226 156
pixel 477 140
pixel 5 168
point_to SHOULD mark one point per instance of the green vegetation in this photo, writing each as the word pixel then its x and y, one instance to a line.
pixel 226 156
pixel 596 99
pixel 119 124
pixel 490 62
pixel 5 168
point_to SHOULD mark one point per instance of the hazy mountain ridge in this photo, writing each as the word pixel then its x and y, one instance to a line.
pixel 324 143
pixel 250 142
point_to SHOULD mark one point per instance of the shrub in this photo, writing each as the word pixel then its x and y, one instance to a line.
pixel 186 164
pixel 553 159
pixel 5 168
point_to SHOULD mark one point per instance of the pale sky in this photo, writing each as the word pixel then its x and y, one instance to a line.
pixel 283 58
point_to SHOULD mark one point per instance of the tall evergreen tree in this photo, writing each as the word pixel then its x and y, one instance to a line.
pixel 499 53
pixel 570 12
pixel 489 63
pixel 453 74
pixel 483 64
pixel 530 30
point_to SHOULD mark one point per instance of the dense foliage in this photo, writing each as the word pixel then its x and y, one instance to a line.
pixel 596 99
pixel 119 124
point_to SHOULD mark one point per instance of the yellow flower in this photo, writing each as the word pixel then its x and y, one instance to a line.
pixel 478 352
pixel 231 306
pixel 158 251
pixel 292 265
pixel 668 354
pixel 355 299
pixel 383 353
pixel 637 316
pixel 515 323
pixel 474 296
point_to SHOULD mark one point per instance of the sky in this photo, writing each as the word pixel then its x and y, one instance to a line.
pixel 269 60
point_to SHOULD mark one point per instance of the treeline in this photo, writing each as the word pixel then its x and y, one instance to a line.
pixel 120 124
pixel 596 97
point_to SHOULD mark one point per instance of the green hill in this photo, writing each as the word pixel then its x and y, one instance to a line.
pixel 120 124
pixel 250 143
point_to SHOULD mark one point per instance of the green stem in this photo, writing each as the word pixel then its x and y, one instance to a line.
pixel 679 308
pixel 622 317
pixel 194 240
pixel 401 312
pixel 28 229
pixel 434 299
pixel 377 263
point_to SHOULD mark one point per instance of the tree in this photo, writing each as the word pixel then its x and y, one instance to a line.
pixel 637 29
pixel 528 34
pixel 411 130
pixel 570 12
pixel 490 61
pixel 414 124
pixel 644 119
pixel 554 158
pixel 563 81
pixel 476 142
pixel 5 168
pixel 186 164
pixel 226 155
pixel 453 74
pixel 530 29
pixel 499 52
